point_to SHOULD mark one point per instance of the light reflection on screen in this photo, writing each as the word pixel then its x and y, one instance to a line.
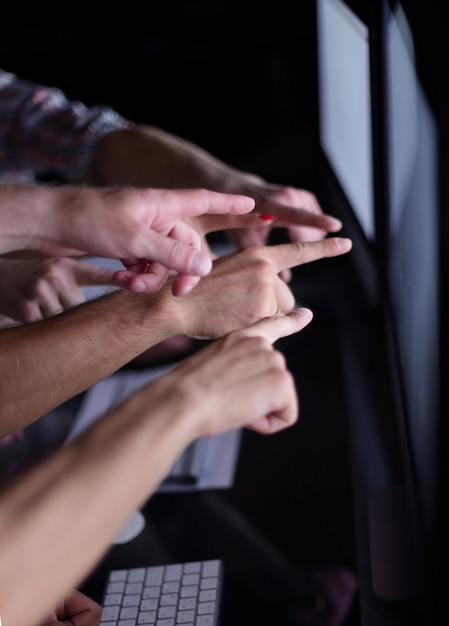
pixel 413 253
pixel 345 104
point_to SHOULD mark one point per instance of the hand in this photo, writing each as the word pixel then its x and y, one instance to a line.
pixel 75 610
pixel 145 156
pixel 245 286
pixel 201 225
pixel 148 233
pixel 144 227
pixel 33 289
pixel 297 210
pixel 243 377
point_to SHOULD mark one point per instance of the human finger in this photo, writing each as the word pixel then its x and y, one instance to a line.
pixel 71 297
pixel 172 254
pixel 78 609
pixel 280 403
pixel 289 255
pixel 183 284
pixel 88 274
pixel 291 216
pixel 30 311
pixel 43 299
pixel 145 280
pixel 286 411
pixel 286 275
pixel 212 223
pixel 146 276
pixel 62 287
pixel 192 202
pixel 49 300
pixel 194 260
pixel 279 326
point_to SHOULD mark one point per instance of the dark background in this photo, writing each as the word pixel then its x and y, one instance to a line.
pixel 236 77
pixel 226 75
pixel 239 79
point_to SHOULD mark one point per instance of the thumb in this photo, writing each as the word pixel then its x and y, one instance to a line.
pixel 177 255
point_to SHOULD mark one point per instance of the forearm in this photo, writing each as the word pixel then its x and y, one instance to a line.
pixel 147 156
pixel 60 518
pixel 45 363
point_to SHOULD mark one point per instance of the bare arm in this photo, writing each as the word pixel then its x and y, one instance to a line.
pixel 56 358
pixel 60 517
pixel 44 363
pixel 132 224
pixel 143 155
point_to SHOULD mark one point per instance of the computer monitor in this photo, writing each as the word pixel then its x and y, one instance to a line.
pixel 415 274
pixel 395 357
pixel 347 126
pixel 345 132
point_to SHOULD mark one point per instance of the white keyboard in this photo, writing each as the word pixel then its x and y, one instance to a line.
pixel 164 595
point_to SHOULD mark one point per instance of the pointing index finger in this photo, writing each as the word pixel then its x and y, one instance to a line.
pixel 274 328
pixel 199 201
pixel 289 255
pixel 291 216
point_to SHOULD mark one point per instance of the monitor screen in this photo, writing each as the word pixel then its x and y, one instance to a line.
pixel 412 273
pixel 345 123
pixel 384 138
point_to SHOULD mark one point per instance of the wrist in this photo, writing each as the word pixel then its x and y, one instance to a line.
pixel 159 314
pixel 29 217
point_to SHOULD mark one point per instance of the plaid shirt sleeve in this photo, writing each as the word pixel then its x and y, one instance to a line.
pixel 42 132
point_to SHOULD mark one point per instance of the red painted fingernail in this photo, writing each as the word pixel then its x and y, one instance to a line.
pixel 266 217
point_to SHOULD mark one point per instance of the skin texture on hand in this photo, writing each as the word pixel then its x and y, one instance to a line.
pixel 245 286
pixel 143 155
pixel 112 458
pixel 122 223
pixel 75 609
pixel 95 339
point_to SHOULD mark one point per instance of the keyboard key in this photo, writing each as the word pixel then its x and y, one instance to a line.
pixel 208 595
pixel 206 608
pixel 112 598
pixel 184 594
pixel 205 620
pixel 117 575
pixel 117 587
pixel 169 598
pixel 211 568
pixel 110 613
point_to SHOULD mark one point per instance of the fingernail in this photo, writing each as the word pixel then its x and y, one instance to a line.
pixel 187 289
pixel 304 312
pixel 334 224
pixel 119 279
pixel 266 217
pixel 139 287
pixel 200 264
pixel 343 242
